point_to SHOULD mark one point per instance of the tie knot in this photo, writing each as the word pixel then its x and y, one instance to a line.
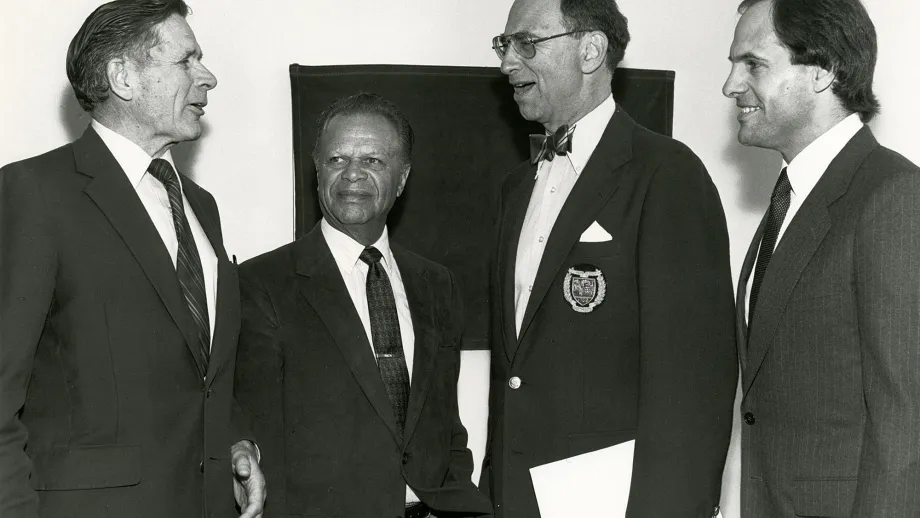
pixel 782 187
pixel 547 147
pixel 370 256
pixel 162 171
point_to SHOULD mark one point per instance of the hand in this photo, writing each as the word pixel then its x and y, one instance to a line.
pixel 248 479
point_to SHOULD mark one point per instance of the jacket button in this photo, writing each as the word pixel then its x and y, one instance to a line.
pixel 405 459
pixel 749 418
pixel 514 383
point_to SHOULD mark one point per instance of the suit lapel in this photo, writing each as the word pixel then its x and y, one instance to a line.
pixel 111 191
pixel 421 305
pixel 740 306
pixel 804 235
pixel 518 200
pixel 597 182
pixel 322 285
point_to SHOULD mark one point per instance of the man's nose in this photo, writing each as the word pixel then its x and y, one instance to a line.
pixel 733 83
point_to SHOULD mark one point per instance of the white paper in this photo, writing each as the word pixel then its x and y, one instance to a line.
pixel 595 234
pixel 591 484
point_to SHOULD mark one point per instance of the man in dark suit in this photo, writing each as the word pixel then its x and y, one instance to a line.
pixel 828 301
pixel 612 292
pixel 350 345
pixel 119 309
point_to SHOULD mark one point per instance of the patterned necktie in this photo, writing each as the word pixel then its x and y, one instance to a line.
pixel 387 341
pixel 779 204
pixel 188 262
pixel 548 146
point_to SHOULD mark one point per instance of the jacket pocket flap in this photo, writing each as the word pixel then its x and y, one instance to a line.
pixel 87 467
pixel 830 498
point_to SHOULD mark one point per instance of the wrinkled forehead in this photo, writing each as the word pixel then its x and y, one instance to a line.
pixel 175 37
pixel 363 130
pixel 534 16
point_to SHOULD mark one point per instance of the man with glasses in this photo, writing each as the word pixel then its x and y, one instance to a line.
pixel 613 315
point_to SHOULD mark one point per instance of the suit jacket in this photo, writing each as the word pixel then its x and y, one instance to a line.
pixel 654 362
pixel 103 411
pixel 324 422
pixel 831 367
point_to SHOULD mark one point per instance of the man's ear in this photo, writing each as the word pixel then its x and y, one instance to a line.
pixel 120 74
pixel 403 176
pixel 593 51
pixel 822 79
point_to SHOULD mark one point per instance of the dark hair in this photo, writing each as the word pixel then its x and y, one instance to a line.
pixel 365 103
pixel 116 29
pixel 599 15
pixel 836 35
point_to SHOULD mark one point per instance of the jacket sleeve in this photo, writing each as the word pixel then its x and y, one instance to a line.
pixel 259 382
pixel 28 263
pixel 688 360
pixel 887 280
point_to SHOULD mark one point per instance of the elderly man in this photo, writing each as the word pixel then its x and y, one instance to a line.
pixel 350 347
pixel 829 296
pixel 118 306
pixel 612 300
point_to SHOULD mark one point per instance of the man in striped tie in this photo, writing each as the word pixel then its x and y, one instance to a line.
pixel 119 309
pixel 350 344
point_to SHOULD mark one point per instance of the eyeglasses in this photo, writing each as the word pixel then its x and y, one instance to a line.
pixel 524 44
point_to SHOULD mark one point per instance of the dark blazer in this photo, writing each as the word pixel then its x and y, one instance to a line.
pixel 654 362
pixel 831 367
pixel 103 411
pixel 324 422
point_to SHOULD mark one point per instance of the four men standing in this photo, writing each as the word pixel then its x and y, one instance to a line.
pixel 612 313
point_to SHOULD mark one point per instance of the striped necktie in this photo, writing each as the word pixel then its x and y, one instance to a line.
pixel 188 262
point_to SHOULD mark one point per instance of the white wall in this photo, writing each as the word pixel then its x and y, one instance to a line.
pixel 245 159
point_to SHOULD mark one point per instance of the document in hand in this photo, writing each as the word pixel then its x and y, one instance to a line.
pixel 591 484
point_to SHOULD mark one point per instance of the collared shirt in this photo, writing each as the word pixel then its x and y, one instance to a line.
pixel 346 252
pixel 134 161
pixel 554 182
pixel 804 172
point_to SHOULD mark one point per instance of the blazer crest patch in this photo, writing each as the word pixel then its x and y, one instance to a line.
pixel 584 287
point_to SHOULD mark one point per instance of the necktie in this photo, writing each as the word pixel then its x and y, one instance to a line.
pixel 548 146
pixel 779 204
pixel 188 262
pixel 387 342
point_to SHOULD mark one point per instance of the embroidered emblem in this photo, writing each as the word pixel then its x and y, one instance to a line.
pixel 584 287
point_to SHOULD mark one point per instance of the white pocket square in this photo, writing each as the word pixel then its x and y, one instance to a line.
pixel 595 234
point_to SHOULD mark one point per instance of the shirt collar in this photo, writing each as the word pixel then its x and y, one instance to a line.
pixel 586 135
pixel 133 160
pixel 347 251
pixel 809 165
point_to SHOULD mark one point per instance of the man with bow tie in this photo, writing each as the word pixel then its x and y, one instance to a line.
pixel 612 292
pixel 119 309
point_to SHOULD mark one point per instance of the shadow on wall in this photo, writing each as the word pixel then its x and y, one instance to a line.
pixel 757 170
pixel 75 122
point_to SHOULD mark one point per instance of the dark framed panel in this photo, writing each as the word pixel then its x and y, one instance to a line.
pixel 469 133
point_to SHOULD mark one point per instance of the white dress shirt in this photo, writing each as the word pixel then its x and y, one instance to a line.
pixel 346 252
pixel 134 161
pixel 554 182
pixel 804 172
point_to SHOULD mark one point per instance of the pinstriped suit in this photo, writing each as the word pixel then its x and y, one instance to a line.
pixel 831 366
